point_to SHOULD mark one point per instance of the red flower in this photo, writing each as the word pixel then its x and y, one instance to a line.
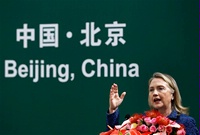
pixel 182 126
pixel 134 132
pixel 152 113
pixel 135 117
pixel 168 129
pixel 162 120
pixel 147 133
pixel 107 133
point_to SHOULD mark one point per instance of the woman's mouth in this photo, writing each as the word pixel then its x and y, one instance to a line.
pixel 156 100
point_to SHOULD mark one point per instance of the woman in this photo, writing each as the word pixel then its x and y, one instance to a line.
pixel 164 96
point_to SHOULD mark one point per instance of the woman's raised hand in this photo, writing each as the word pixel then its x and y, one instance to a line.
pixel 114 99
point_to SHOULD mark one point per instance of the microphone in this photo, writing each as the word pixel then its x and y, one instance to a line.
pixel 127 116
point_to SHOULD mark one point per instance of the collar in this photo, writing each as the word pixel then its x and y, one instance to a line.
pixel 173 115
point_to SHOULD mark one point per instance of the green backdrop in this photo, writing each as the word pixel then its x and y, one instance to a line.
pixel 149 35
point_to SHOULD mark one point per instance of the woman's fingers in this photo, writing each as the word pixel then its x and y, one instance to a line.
pixel 123 95
pixel 114 88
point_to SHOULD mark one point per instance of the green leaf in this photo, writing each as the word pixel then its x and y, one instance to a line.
pixel 120 133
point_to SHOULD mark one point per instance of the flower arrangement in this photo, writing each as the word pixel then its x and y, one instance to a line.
pixel 151 123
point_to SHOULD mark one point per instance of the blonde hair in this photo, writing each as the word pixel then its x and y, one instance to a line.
pixel 176 102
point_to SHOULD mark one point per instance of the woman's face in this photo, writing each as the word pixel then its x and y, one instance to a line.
pixel 160 95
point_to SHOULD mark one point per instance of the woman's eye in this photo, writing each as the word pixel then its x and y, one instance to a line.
pixel 150 90
pixel 161 88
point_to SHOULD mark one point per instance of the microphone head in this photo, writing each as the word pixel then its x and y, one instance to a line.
pixel 127 116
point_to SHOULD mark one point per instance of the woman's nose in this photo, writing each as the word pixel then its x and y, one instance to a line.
pixel 155 92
